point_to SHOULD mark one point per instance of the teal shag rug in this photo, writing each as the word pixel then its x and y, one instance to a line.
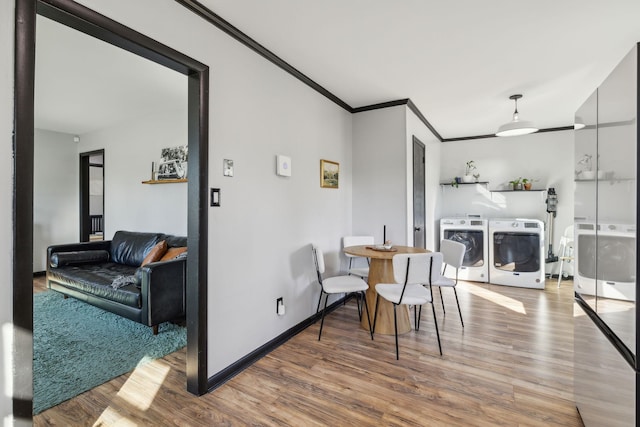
pixel 77 347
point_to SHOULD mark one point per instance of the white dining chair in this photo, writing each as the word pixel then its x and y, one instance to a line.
pixel 565 251
pixel 453 255
pixel 410 271
pixel 336 285
pixel 362 271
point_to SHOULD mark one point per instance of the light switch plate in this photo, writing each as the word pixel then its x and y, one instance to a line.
pixel 227 167
pixel 283 165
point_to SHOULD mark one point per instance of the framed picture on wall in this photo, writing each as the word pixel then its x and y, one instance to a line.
pixel 329 174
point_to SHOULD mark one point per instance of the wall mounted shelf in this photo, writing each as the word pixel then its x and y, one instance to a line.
pixel 165 181
pixel 517 191
pixel 604 180
pixel 445 184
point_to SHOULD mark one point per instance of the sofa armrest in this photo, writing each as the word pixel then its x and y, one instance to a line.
pixel 163 291
pixel 77 247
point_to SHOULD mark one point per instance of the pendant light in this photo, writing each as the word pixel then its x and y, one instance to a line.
pixel 516 126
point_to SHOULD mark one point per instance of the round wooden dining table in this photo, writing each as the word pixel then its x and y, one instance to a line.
pixel 381 271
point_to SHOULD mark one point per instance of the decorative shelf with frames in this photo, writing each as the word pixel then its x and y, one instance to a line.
pixel 165 181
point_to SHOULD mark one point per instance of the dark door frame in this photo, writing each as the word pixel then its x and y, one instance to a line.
pixel 417 142
pixel 87 21
pixel 85 166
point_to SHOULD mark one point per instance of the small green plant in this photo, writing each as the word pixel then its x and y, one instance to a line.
pixel 527 183
pixel 516 184
pixel 470 166
pixel 454 183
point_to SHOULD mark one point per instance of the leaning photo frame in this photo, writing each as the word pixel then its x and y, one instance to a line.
pixel 329 174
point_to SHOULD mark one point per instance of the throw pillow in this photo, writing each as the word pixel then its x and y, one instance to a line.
pixel 155 253
pixel 130 247
pixel 173 253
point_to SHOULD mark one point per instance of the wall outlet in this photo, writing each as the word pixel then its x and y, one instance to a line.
pixel 280 306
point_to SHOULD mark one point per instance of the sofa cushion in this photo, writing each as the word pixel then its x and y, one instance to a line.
pixel 60 259
pixel 96 279
pixel 155 253
pixel 130 247
pixel 173 253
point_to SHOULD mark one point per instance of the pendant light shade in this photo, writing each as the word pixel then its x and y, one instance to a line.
pixel 516 126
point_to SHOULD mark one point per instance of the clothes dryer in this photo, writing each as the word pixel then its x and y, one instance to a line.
pixel 474 234
pixel 516 252
pixel 615 273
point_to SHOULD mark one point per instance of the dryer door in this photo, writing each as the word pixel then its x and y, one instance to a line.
pixel 517 252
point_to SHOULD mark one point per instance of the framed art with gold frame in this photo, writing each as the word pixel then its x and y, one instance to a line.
pixel 329 174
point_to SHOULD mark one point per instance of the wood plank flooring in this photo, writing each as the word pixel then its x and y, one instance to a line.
pixel 512 365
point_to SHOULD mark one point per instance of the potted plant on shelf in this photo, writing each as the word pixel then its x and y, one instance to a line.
pixel 468 172
pixel 586 173
pixel 527 183
pixel 516 184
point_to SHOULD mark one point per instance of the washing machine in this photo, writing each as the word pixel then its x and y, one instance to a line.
pixel 474 234
pixel 614 276
pixel 516 252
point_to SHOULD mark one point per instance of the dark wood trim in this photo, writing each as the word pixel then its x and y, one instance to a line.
pixel 409 104
pixel 86 20
pixel 381 105
pixel 466 138
pixel 222 24
pixel 637 320
pixel 423 119
pixel 24 85
pixel 197 264
pixel 219 22
pixel 240 365
pixel 558 129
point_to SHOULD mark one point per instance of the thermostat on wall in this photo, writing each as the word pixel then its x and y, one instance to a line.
pixel 283 165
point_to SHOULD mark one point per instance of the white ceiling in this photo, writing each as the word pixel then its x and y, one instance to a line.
pixel 84 84
pixel 458 60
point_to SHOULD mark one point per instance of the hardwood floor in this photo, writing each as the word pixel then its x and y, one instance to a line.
pixel 512 365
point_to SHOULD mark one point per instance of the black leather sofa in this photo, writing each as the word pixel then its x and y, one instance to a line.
pixel 151 294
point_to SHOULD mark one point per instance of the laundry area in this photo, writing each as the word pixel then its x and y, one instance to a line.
pixel 514 236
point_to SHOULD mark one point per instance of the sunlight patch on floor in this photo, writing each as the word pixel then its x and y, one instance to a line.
pixel 144 383
pixel 496 298
pixel 139 391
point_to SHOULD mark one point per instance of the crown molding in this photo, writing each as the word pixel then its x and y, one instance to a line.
pixel 222 24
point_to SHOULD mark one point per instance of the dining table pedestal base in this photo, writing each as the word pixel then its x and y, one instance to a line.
pixel 381 271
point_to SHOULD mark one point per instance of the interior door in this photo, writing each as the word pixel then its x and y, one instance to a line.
pixel 419 199
pixel 91 195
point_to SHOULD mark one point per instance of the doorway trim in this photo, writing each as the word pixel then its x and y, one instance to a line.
pixel 94 24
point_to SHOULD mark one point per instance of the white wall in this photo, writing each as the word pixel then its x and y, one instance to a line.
pixel 547 157
pixel 129 149
pixel 6 200
pixel 380 173
pixel 55 193
pixel 259 239
pixel 433 146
